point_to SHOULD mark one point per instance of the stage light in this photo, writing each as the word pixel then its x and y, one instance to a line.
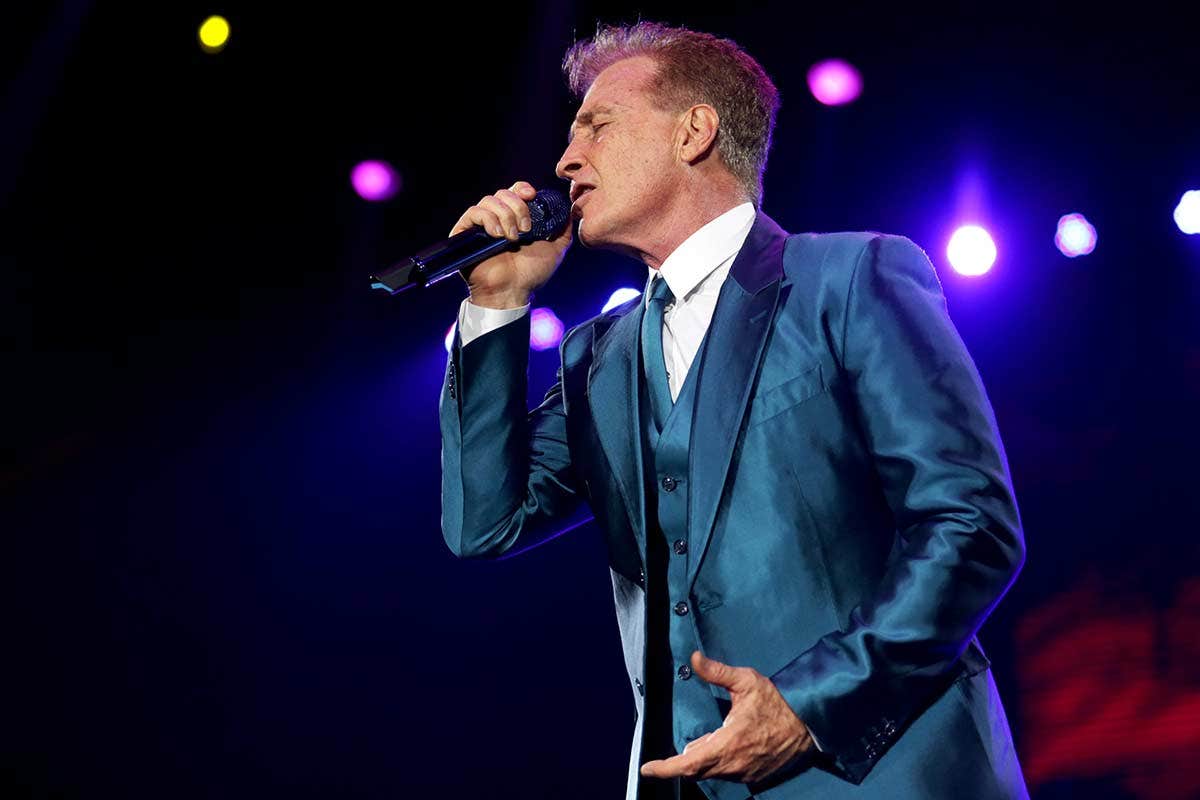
pixel 971 250
pixel 1187 213
pixel 1075 235
pixel 375 181
pixel 834 82
pixel 622 295
pixel 545 329
pixel 450 336
pixel 214 34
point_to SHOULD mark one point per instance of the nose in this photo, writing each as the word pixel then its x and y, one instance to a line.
pixel 571 161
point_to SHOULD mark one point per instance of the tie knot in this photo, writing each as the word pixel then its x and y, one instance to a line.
pixel 660 292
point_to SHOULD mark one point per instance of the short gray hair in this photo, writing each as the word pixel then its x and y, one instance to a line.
pixel 693 67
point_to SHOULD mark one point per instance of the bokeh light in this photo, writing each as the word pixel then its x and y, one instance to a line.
pixel 375 181
pixel 834 82
pixel 545 329
pixel 1075 235
pixel 1187 213
pixel 971 250
pixel 622 295
pixel 214 34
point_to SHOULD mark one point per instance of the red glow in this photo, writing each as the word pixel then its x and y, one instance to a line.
pixel 1109 688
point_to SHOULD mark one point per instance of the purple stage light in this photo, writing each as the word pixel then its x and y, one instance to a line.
pixel 1075 235
pixel 450 336
pixel 545 329
pixel 375 181
pixel 834 82
pixel 622 295
pixel 1187 213
pixel 971 250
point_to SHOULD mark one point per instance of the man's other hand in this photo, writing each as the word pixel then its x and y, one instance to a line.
pixel 760 735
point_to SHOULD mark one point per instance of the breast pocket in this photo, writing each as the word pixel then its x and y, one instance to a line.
pixel 792 392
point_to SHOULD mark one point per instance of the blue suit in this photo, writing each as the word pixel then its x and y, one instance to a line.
pixel 850 520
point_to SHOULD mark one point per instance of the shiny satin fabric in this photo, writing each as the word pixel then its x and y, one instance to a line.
pixel 851 520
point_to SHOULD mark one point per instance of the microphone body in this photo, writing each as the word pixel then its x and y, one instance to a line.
pixel 549 212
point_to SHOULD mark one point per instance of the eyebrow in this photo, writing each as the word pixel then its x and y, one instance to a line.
pixel 586 117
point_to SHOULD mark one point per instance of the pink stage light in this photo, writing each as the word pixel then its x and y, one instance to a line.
pixel 1075 236
pixel 375 181
pixel 450 336
pixel 971 251
pixel 545 329
pixel 834 82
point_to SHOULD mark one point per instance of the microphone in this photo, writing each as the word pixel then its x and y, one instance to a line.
pixel 549 212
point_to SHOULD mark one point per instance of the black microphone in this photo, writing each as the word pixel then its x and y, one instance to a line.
pixel 549 212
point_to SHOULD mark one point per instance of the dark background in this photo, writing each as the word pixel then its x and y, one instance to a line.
pixel 219 484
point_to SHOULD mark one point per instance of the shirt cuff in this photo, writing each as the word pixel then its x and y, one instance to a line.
pixel 474 321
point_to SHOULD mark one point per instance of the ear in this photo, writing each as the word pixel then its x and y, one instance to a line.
pixel 697 132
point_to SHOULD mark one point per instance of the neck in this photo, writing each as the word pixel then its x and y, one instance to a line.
pixel 690 211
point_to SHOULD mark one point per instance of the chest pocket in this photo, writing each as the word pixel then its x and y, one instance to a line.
pixel 792 392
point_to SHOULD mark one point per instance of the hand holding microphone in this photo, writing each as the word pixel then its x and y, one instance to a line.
pixel 505 246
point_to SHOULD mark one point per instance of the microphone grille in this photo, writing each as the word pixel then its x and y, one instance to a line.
pixel 549 212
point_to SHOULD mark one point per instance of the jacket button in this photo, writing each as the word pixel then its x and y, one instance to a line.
pixel 685 672
pixel 680 546
pixel 681 608
pixel 669 483
pixel 641 689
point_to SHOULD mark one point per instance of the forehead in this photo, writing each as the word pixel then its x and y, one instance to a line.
pixel 621 84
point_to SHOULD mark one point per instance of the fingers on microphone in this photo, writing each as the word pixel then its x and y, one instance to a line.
pixel 503 214
pixel 503 206
pixel 466 221
pixel 518 207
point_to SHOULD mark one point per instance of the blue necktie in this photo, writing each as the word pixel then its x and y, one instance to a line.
pixel 652 352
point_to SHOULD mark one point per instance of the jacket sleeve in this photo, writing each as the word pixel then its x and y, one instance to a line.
pixel 506 473
pixel 933 436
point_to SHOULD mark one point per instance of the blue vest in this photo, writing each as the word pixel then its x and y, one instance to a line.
pixel 679 706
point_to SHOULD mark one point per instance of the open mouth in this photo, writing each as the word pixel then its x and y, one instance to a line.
pixel 580 192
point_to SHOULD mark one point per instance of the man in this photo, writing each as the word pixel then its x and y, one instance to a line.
pixel 806 502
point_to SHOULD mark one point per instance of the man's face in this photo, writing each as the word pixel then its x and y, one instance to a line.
pixel 621 158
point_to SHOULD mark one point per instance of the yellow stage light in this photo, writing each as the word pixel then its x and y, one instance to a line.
pixel 214 34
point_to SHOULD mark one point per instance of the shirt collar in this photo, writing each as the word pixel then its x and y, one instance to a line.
pixel 705 250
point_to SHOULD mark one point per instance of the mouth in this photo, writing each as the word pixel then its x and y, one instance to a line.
pixel 577 193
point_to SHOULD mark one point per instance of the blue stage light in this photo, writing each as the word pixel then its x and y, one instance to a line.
pixel 971 250
pixel 1187 213
pixel 622 295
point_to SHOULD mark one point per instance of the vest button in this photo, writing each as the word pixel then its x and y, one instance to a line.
pixel 681 608
pixel 669 483
pixel 680 546
pixel 685 672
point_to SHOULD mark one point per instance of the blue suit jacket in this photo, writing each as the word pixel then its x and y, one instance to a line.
pixel 851 517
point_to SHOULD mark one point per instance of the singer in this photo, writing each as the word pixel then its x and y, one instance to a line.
pixel 786 444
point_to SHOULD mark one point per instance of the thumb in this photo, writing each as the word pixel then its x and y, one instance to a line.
pixel 524 189
pixel 714 671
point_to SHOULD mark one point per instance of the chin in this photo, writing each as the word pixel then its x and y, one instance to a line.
pixel 585 235
pixel 599 232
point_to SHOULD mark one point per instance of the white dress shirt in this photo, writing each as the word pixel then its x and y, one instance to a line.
pixel 694 272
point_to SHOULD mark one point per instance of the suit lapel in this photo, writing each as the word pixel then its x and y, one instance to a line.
pixel 736 337
pixel 613 400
